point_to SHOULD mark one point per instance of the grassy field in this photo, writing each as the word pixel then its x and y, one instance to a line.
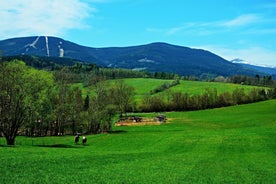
pixel 143 86
pixel 227 145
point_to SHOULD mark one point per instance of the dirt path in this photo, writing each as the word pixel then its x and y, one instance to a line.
pixel 145 121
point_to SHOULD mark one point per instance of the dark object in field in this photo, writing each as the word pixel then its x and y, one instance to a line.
pixel 77 138
pixel 161 118
pixel 84 140
pixel 131 118
pixel 136 118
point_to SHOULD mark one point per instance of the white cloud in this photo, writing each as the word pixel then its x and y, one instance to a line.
pixel 47 17
pixel 174 30
pixel 242 20
pixel 208 28
pixel 187 26
pixel 253 55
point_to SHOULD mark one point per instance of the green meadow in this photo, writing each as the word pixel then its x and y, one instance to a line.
pixel 227 145
pixel 143 86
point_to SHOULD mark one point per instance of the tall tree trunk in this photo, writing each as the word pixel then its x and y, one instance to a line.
pixel 10 139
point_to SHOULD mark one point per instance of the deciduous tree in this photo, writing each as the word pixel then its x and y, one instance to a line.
pixel 100 110
pixel 122 96
pixel 22 90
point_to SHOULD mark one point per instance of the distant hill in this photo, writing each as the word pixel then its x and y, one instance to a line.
pixel 160 57
pixel 269 70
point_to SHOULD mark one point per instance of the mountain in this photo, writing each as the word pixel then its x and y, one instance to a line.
pixel 45 46
pixel 161 57
pixel 269 70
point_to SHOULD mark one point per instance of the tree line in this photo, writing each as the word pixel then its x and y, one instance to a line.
pixel 165 86
pixel 84 71
pixel 257 80
pixel 177 101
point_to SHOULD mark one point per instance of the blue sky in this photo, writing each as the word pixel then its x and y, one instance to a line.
pixel 243 29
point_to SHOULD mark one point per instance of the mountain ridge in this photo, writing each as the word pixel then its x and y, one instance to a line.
pixel 154 57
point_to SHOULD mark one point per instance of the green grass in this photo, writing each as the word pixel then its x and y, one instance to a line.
pixel 143 86
pixel 199 87
pixel 227 145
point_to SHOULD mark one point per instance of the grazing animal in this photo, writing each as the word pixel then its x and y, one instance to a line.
pixel 84 140
pixel 77 138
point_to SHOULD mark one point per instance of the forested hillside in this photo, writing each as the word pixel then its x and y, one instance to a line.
pixel 153 57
